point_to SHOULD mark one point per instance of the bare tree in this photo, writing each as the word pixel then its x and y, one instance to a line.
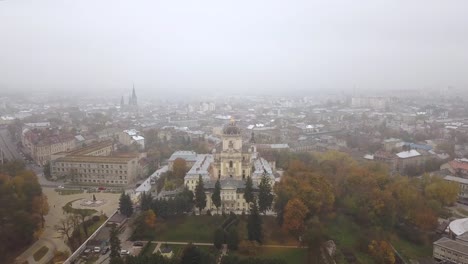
pixel 65 226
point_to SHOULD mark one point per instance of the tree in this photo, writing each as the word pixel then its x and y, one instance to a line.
pixel 179 168
pixel 46 170
pixel 149 219
pixel 442 191
pixel 41 206
pixel 200 196
pixel 254 224
pixel 65 227
pixel 219 238
pixel 114 242
pixel 248 191
pixel 314 237
pixel 265 196
pixel 295 213
pixel 145 201
pixel 83 214
pixel 125 205
pixel 191 255
pixel 382 252
pixel 232 238
pixel 216 196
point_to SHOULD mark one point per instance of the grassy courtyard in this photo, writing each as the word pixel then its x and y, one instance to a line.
pixel 69 209
pixel 40 253
pixel 187 228
pixel 201 228
pixel 290 255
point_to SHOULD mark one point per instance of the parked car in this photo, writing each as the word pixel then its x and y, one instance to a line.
pixel 101 188
pixel 61 187
pixel 138 244
pixel 97 249
pixel 87 251
pixel 105 250
pixel 124 252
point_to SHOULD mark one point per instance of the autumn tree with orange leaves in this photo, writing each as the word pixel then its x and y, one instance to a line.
pixel 295 214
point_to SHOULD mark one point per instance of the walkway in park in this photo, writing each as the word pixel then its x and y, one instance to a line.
pixel 211 244
pixel 50 237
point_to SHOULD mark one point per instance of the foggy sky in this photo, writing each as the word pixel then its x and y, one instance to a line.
pixel 173 46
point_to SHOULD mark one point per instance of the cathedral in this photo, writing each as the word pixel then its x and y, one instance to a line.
pixel 132 101
pixel 231 162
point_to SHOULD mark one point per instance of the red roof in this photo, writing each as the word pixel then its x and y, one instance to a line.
pixel 458 165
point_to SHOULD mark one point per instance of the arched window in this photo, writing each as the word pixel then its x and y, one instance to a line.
pixel 230 164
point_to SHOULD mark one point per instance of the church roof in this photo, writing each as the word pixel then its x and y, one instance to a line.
pixel 228 184
pixel 231 129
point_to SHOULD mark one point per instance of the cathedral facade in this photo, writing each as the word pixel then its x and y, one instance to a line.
pixel 231 162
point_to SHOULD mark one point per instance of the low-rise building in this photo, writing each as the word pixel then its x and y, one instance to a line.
pixel 132 136
pixel 41 145
pixel 97 165
pixel 457 167
pixel 455 248
pixel 408 158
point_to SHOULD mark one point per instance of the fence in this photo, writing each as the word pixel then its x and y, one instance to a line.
pixel 78 252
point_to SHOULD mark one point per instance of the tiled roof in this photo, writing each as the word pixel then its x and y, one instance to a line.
pixel 458 165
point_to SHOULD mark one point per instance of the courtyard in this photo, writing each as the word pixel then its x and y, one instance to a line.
pixel 50 239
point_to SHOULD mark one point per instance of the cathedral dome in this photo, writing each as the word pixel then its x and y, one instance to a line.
pixel 231 129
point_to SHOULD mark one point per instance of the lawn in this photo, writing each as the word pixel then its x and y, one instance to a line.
pixel 40 253
pixel 410 250
pixel 69 209
pixel 187 228
pixel 290 255
pixel 201 229
pixel 148 249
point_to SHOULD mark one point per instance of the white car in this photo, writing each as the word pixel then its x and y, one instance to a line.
pixel 97 249
pixel 124 252
pixel 61 187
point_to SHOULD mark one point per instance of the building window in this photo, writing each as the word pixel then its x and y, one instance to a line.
pixel 230 164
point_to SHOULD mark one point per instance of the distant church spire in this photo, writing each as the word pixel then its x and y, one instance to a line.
pixel 133 100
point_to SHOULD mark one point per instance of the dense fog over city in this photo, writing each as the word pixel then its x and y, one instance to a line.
pixel 184 48
pixel 233 132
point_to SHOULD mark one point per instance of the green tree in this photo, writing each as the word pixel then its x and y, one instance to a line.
pixel 125 205
pixel 114 242
pixel 193 255
pixel 254 224
pixel 265 196
pixel 200 196
pixel 248 191
pixel 232 239
pixel 46 170
pixel 216 196
pixel 219 238
pixel 145 201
